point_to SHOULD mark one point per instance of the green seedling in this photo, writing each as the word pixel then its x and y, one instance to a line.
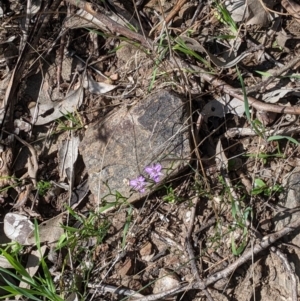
pixel 276 138
pixel 13 248
pixel 224 16
pixel 182 47
pixel 120 200
pixel 240 217
pixel 224 37
pixel 131 27
pixel 43 187
pixel 171 196
pixel 268 74
pixel 74 121
pixel 260 187
pixel 93 226
pixel 276 45
pixel 13 182
pixel 240 224
pixel 247 107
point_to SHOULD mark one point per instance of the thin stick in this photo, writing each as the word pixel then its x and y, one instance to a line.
pixel 259 105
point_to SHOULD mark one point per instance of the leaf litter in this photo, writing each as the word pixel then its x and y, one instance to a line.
pixel 187 233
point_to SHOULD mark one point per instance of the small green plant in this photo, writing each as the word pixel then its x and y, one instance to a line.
pixel 240 216
pixel 11 182
pixel 224 16
pixel 279 154
pixel 254 125
pixel 182 47
pixel 13 248
pixel 260 187
pixel 43 187
pixel 240 224
pixel 171 196
pixel 74 122
pixel 92 226
pixel 268 74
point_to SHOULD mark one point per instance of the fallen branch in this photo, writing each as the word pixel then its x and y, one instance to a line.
pixel 259 105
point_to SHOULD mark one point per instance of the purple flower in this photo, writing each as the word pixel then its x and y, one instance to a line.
pixel 138 184
pixel 154 172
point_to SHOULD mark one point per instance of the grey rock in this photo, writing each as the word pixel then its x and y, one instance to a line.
pixel 117 148
pixel 291 199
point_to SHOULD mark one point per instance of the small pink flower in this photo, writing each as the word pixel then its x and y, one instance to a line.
pixel 138 184
pixel 154 172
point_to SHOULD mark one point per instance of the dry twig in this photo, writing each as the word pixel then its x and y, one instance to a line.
pixel 259 105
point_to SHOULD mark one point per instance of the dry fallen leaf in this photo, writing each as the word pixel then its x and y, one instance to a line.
pixel 95 87
pixel 17 227
pixel 251 12
pixel 221 159
pixel 33 264
pixel 50 110
pixel 50 231
pixel 67 155
pixel 276 95
pixel 4 263
pixel 223 105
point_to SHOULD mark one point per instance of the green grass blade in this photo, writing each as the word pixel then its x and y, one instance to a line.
pixel 246 103
pixel 279 137
pixel 16 265
pixel 126 226
pixel 15 290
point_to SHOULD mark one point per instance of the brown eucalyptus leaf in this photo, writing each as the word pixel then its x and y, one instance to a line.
pixel 221 159
pixel 50 231
pixel 50 110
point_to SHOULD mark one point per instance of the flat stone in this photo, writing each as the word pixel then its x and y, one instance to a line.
pixel 291 199
pixel 118 147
